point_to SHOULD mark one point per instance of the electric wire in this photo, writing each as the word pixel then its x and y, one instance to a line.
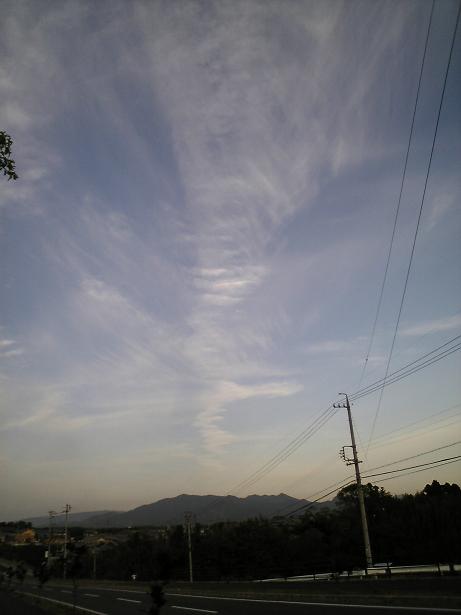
pixel 423 199
pixel 420 465
pixel 307 506
pixel 277 459
pixel 427 354
pixel 399 201
pixel 391 380
pixel 340 484
pixel 413 370
pixel 293 443
pixel 399 374
pixel 398 352
pixel 434 450
pixel 427 466
pixel 287 451
pixel 335 486
pixel 417 434
pixel 329 412
pixel 386 435
pixel 446 463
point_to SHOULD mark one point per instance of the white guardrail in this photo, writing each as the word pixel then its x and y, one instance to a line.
pixel 373 571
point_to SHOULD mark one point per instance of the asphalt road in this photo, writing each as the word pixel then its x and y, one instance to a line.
pixel 12 604
pixel 103 601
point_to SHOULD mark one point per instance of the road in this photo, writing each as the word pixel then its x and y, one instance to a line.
pixel 103 601
pixel 12 604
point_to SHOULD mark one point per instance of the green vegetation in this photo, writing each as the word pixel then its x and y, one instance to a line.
pixel 404 530
pixel 30 554
pixel 412 529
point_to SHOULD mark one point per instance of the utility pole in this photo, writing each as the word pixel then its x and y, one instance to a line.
pixel 66 510
pixel 355 461
pixel 51 514
pixel 188 520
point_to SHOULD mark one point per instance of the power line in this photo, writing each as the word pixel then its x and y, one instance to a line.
pixel 420 465
pixel 338 483
pixel 399 201
pixel 381 384
pixel 334 486
pixel 277 459
pixel 399 374
pixel 329 412
pixel 429 466
pixel 434 450
pixel 398 352
pixel 417 225
pixel 423 420
pixel 307 506
pixel 446 463
pixel 414 370
pixel 418 433
pixel 427 354
pixel 287 451
pixel 380 444
pixel 346 481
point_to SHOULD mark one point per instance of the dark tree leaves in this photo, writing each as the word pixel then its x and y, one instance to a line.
pixel 7 164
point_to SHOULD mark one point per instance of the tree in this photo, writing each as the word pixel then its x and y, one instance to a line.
pixel 436 490
pixel 7 164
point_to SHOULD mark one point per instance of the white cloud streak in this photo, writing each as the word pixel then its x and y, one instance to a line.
pixel 184 151
pixel 433 326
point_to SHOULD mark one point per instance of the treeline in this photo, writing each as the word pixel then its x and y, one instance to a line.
pixel 28 553
pixel 410 529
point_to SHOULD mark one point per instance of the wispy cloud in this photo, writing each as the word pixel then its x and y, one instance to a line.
pixel 195 207
pixel 433 326
pixel 46 416
pixel 331 346
pixel 249 160
pixel 15 352
pixel 10 348
pixel 209 421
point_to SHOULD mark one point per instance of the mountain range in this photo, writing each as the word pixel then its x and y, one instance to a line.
pixel 170 511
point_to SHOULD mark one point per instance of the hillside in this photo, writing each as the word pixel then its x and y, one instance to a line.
pixel 75 519
pixel 206 508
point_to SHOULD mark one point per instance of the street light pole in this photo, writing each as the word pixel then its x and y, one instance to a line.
pixel 355 461
pixel 188 519
pixel 51 514
pixel 66 510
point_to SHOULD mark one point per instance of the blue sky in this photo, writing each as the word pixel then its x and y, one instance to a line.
pixel 192 256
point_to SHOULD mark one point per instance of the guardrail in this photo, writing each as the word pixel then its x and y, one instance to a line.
pixel 381 570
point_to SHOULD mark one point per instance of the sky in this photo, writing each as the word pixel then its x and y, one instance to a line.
pixel 192 256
